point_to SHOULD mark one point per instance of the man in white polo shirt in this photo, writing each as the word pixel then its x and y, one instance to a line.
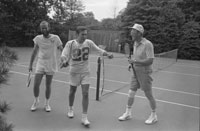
pixel 143 55
pixel 45 45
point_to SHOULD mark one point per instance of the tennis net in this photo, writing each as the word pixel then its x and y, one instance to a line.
pixel 165 59
pixel 116 69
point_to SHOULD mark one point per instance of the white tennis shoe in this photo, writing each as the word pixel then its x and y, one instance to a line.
pixel 70 113
pixel 125 116
pixel 85 121
pixel 152 119
pixel 35 104
pixel 47 108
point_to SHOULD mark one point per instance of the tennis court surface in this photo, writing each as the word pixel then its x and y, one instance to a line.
pixel 176 89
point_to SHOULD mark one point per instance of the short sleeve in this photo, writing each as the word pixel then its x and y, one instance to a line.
pixel 35 40
pixel 58 41
pixel 149 50
pixel 66 51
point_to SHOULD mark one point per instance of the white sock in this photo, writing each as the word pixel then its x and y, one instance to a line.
pixel 46 101
pixel 36 99
pixel 84 116
pixel 128 109
pixel 71 108
pixel 153 112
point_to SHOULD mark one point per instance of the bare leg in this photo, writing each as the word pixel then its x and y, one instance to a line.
pixel 48 86
pixel 85 99
pixel 36 90
pixel 153 117
pixel 72 95
pixel 151 99
pixel 131 98
pixel 37 82
pixel 85 103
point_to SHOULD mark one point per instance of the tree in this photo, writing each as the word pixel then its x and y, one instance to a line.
pixel 108 24
pixel 89 20
pixel 7 58
pixel 190 43
pixel 111 24
pixel 161 19
pixel 191 9
pixel 168 27
pixel 20 19
pixel 189 47
pixel 67 11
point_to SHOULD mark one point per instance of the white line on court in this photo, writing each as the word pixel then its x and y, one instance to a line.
pixel 173 103
pixel 163 101
pixel 121 82
pixel 180 73
pixel 187 66
pixel 169 72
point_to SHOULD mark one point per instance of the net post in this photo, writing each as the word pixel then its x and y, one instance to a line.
pixel 98 78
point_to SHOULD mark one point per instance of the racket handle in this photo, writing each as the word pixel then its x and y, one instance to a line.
pixel 133 70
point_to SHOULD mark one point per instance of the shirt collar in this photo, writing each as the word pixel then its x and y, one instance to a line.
pixel 139 43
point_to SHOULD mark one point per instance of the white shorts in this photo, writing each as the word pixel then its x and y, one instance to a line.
pixel 45 67
pixel 77 79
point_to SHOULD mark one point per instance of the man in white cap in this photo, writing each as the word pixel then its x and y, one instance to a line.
pixel 143 55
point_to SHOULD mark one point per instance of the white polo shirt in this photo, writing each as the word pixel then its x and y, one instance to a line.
pixel 143 50
pixel 48 49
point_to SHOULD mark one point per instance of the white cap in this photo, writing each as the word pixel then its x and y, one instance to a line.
pixel 138 27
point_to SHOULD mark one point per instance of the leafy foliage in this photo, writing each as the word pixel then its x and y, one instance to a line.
pixel 165 21
pixel 7 58
pixel 190 42
pixel 168 24
pixel 20 18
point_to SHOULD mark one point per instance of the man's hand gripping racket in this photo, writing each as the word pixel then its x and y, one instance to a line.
pixel 128 55
pixel 63 63
pixel 29 78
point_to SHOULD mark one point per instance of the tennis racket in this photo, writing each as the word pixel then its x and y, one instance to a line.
pixel 102 60
pixel 29 79
pixel 127 54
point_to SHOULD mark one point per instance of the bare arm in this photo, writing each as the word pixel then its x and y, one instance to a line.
pixel 65 56
pixel 34 53
pixel 144 62
pixel 101 51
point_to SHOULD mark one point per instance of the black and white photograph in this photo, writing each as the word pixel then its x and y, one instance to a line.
pixel 99 65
